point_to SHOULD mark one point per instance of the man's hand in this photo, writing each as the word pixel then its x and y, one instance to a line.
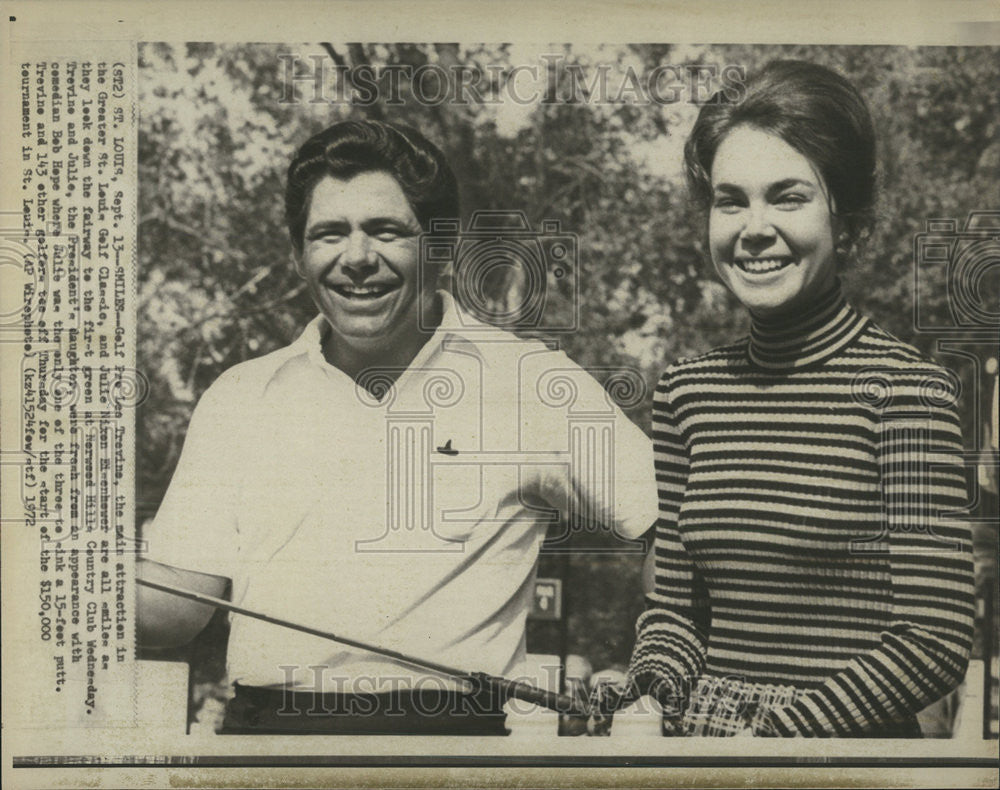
pixel 166 620
pixel 605 699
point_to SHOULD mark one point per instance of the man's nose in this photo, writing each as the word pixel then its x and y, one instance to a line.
pixel 358 253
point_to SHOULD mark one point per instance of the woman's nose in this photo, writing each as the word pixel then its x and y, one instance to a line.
pixel 758 223
pixel 758 229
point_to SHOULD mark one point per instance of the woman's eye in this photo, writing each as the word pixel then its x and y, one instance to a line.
pixel 726 204
pixel 792 199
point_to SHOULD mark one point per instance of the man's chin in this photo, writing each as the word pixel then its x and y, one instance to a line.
pixel 375 336
pixel 362 335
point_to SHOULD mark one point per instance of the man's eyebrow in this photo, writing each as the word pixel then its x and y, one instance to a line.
pixel 326 224
pixel 372 222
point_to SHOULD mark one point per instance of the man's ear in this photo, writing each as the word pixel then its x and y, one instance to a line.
pixel 297 263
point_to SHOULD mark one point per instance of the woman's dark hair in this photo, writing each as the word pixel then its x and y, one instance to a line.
pixel 818 113
pixel 351 147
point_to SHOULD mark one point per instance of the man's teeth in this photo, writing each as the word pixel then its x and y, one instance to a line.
pixel 363 291
pixel 762 265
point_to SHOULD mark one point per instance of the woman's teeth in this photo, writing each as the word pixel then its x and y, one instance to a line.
pixel 762 265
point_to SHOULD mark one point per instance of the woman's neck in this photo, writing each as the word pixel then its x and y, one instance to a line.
pixel 806 336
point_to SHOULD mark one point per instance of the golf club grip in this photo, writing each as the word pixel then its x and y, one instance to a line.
pixel 538 696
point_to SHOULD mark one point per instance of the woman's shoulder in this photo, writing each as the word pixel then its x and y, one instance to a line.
pixel 912 375
pixel 715 362
pixel 718 355
pixel 881 346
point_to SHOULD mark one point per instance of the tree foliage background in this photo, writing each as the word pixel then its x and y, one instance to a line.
pixel 216 287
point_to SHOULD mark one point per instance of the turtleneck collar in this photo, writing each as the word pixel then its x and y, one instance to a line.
pixel 806 337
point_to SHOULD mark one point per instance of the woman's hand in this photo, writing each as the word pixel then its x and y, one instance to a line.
pixel 607 698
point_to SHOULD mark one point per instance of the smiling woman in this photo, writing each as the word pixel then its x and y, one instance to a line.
pixel 804 583
pixel 770 227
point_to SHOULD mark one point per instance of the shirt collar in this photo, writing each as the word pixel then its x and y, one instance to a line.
pixel 456 324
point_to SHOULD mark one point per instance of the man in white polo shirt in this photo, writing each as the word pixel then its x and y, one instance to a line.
pixel 389 476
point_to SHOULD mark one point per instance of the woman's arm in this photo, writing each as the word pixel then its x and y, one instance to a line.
pixel 669 652
pixel 924 653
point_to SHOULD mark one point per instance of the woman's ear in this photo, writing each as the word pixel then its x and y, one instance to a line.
pixel 843 240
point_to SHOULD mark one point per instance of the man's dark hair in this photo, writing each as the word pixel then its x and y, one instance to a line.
pixel 813 109
pixel 351 147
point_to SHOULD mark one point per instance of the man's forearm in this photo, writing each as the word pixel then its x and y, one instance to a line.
pixel 166 620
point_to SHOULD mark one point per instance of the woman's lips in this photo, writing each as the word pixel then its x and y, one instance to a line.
pixel 762 265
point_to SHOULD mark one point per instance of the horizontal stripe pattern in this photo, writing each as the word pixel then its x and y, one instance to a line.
pixel 802 473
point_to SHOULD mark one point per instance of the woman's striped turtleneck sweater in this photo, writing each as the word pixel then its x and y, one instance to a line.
pixel 807 481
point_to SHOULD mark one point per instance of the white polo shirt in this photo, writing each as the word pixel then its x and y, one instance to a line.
pixel 413 522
